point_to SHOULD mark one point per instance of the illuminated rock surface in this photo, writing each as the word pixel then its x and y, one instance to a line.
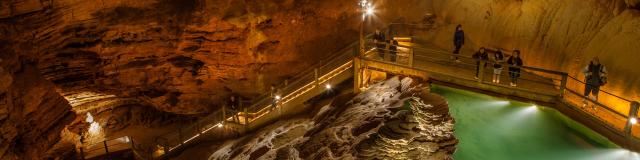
pixel 32 113
pixel 391 120
pixel 186 56
pixel 180 56
pixel 554 34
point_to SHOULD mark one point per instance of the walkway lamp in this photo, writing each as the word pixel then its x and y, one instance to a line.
pixel 367 10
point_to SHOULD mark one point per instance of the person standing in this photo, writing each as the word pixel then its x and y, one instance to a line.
pixel 393 50
pixel 595 77
pixel 479 56
pixel 233 106
pixel 458 41
pixel 379 42
pixel 515 63
pixel 498 58
pixel 275 97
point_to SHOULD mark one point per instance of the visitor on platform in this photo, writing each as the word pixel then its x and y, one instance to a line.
pixel 379 42
pixel 595 77
pixel 498 59
pixel 479 56
pixel 393 50
pixel 458 41
pixel 275 97
pixel 234 108
pixel 515 63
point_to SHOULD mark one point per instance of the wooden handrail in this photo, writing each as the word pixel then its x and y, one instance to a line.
pixel 263 100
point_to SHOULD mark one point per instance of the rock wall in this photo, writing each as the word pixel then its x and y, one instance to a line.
pixel 179 56
pixel 561 35
pixel 32 113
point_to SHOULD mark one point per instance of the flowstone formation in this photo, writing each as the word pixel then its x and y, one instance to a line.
pixel 394 119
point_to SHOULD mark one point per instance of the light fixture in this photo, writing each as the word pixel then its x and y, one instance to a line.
pixel 278 97
pixel 328 86
pixel 219 125
pixel 363 3
pixel 369 10
pixel 633 120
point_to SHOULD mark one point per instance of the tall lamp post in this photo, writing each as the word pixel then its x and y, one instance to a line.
pixel 367 10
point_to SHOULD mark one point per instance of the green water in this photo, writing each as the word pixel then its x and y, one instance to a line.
pixel 491 128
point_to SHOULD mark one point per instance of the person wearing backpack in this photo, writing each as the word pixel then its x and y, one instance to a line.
pixel 595 77
pixel 498 58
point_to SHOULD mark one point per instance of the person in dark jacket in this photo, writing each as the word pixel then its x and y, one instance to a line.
pixel 378 41
pixel 458 41
pixel 393 50
pixel 234 108
pixel 498 58
pixel 595 77
pixel 481 55
pixel 515 63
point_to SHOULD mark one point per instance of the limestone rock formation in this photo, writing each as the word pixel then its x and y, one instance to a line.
pixel 186 56
pixel 180 56
pixel 391 120
pixel 32 113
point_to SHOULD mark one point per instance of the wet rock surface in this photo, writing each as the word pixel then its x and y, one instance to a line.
pixel 394 119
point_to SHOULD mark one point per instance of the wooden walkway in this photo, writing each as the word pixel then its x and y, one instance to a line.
pixel 535 85
pixel 539 86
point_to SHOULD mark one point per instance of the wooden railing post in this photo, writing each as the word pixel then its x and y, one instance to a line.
pixel 633 111
pixel 246 118
pixel 315 77
pixel 563 84
pixel 224 115
pixel 411 56
pixel 357 76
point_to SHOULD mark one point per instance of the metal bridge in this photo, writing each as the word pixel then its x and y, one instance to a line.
pixel 537 85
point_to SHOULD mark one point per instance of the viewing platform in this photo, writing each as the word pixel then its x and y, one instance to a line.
pixel 538 86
